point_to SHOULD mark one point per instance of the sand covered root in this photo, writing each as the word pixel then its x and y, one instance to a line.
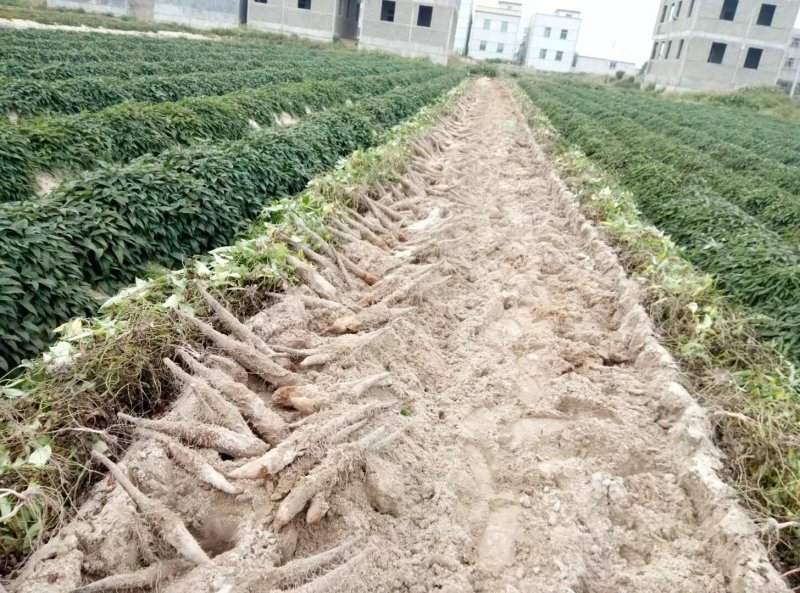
pixel 461 395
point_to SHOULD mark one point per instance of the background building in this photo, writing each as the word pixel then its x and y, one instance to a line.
pixel 409 28
pixel 601 66
pixel 496 32
pixel 417 29
pixel 791 63
pixel 552 41
pixel 720 45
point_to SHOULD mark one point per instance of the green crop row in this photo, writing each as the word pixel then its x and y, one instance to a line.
pixel 32 97
pixel 753 264
pixel 763 188
pixel 33 49
pixel 67 143
pixel 98 231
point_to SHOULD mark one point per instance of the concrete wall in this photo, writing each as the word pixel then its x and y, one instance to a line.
pixel 403 36
pixel 701 28
pixel 494 35
pixel 601 66
pixel 283 16
pixel 202 14
pixel 115 7
pixel 553 44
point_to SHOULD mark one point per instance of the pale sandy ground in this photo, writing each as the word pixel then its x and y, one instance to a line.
pixel 26 24
pixel 545 444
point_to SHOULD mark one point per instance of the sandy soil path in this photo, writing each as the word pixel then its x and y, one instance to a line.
pixel 529 436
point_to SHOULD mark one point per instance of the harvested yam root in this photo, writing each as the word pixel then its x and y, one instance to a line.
pixel 193 462
pixel 333 348
pixel 298 570
pixel 313 280
pixel 208 436
pixel 316 486
pixel 397 287
pixel 232 324
pixel 247 356
pixel 266 423
pixel 217 409
pixel 164 523
pixel 272 462
pixel 308 399
pixel 150 577
pixel 375 316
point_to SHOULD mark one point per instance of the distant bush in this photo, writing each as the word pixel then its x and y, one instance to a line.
pixel 483 69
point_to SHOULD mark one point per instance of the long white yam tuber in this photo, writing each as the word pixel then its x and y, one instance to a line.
pixel 144 578
pixel 232 324
pixel 333 579
pixel 313 279
pixel 247 356
pixel 193 462
pixel 324 477
pixel 309 435
pixel 204 435
pixel 223 412
pixel 361 386
pixel 266 423
pixel 164 523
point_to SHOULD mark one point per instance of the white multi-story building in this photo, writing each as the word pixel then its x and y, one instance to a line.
pixel 789 75
pixel 720 45
pixel 496 32
pixel 552 41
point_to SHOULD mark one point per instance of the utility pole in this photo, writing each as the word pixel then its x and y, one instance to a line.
pixel 796 78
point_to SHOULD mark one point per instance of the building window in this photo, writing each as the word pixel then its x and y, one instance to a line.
pixel 487 24
pixel 766 15
pixel 261 1
pixel 680 50
pixel 691 8
pixel 483 46
pixel 789 63
pixel 504 27
pixel 424 16
pixel 564 33
pixel 500 48
pixel 655 51
pixel 559 56
pixel 672 11
pixel 664 12
pixel 717 53
pixel 729 10
pixel 669 50
pixel 753 58
pixel 547 31
pixel 304 4
pixel 612 65
pixel 795 41
pixel 542 54
pixel 387 10
pixel 678 10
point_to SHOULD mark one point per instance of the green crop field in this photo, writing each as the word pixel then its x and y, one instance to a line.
pixel 164 149
pixel 722 182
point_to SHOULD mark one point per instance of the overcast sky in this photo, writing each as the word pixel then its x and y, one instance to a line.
pixel 614 29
